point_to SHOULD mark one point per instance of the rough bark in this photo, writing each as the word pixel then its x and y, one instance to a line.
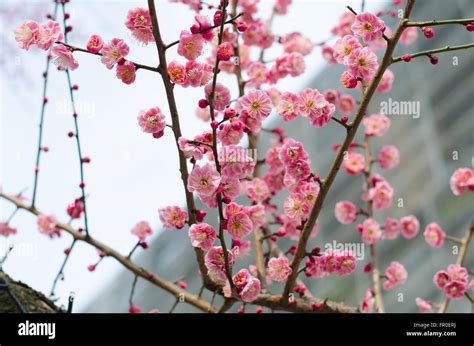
pixel 31 301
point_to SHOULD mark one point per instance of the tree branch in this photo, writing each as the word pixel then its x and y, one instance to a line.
pixel 434 51
pixel 435 22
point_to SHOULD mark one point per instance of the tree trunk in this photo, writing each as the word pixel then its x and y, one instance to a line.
pixel 17 297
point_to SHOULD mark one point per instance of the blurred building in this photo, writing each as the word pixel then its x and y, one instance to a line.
pixel 431 146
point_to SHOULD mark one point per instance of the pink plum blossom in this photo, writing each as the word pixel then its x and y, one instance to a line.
pixel 279 268
pixel 409 226
pixel 47 224
pixel 346 212
pixel 173 217
pixel 381 195
pixel 371 232
pixel 434 235
pixel 26 34
pixel 343 48
pixel 126 72
pixel 388 157
pixel 395 274
pixel 424 305
pixel 139 23
pixel 362 63
pixel 49 33
pixel 288 107
pixel 368 27
pixel 204 180
pixel 63 58
pixel 190 46
pixel 6 230
pixel 376 125
pixel 114 52
pixel 221 95
pixel 239 225
pixel 391 230
pixel 142 230
pixel 346 104
pixel 152 120
pixel 256 103
pixel 354 163
pixel 462 179
pixel 94 44
pixel 202 236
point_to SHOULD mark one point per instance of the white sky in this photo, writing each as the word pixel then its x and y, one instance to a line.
pixel 131 174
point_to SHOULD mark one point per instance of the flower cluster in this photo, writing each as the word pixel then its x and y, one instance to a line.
pixel 453 281
pixel 340 263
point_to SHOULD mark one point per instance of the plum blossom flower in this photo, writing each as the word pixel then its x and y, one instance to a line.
pixel 455 289
pixel 296 42
pixel 396 274
pixel 197 74
pixel 139 23
pixel 94 44
pixel 190 46
pixel 257 73
pixel 295 207
pixel 114 52
pixel 368 27
pixel 388 157
pixel 315 107
pixel 376 125
pixel 288 106
pixel 345 263
pixel 409 36
pixel 461 179
pixel 453 282
pixel 256 103
pixel 63 58
pixel 409 226
pixel 126 72
pixel 348 80
pixel 49 33
pixel 346 212
pixel 362 62
pixel 381 195
pixel 142 230
pixel 240 248
pixel 346 104
pixel 47 224
pixel 152 120
pixel 434 235
pixel 343 48
pixel 424 305
pixel 391 228
pixel 221 96
pixel 215 263
pixel 26 34
pixel 235 161
pixel 371 232
pixel 279 269
pixel 257 190
pixel 202 235
pixel 201 26
pixel 247 286
pixel 385 84
pixel 231 132
pixel 239 225
pixel 204 180
pixel 6 230
pixel 354 163
pixel 177 72
pixel 173 217
pixel 224 51
pixel 292 151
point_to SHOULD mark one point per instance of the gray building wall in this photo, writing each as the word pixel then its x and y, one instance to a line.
pixel 426 146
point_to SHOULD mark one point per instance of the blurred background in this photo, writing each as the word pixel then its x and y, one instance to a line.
pixel 132 175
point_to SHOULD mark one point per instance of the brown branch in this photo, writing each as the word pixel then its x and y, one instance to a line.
pixel 163 68
pixel 127 263
pixel 325 186
pixel 440 22
pixel 434 51
pixel 137 65
pixel 460 260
